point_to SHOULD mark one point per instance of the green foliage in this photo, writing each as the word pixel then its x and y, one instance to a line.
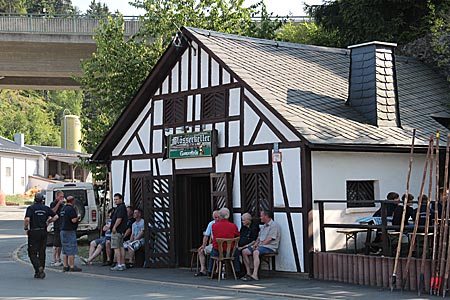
pixel 64 102
pixel 357 21
pixel 308 33
pixel 117 69
pixel 12 6
pixel 50 7
pixel 97 10
pixel 25 112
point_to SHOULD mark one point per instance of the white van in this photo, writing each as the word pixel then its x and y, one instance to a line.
pixel 87 206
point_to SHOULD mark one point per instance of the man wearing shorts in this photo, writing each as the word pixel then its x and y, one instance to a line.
pixel 69 225
pixel 267 242
pixel 119 226
pixel 206 247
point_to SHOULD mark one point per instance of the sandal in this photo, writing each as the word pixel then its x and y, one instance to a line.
pixel 199 274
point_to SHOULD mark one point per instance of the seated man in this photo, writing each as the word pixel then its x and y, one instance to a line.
pixel 423 214
pixel 267 242
pixel 398 212
pixel 96 246
pixel 205 249
pixel 137 236
pixel 248 234
pixel 227 230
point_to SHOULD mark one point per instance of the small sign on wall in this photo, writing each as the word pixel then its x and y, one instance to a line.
pixel 193 144
pixel 276 157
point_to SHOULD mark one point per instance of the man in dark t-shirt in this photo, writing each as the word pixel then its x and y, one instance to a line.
pixel 119 226
pixel 69 225
pixel 36 219
pixel 57 206
pixel 398 212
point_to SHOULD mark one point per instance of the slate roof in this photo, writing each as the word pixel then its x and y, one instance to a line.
pixel 9 146
pixel 308 86
pixel 56 151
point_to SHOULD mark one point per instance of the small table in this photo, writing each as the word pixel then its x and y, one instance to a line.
pixel 351 234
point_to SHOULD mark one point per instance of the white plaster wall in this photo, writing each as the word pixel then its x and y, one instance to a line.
pixel 184 70
pixel 198 106
pixel 234 100
pixel 226 78
pixel 165 167
pixel 204 70
pixel 331 170
pixel 144 135
pixel 194 64
pixel 190 107
pixel 116 176
pixel 266 136
pixel 255 158
pixel 20 175
pixel 290 136
pixel 223 162
pixel 131 130
pixel 157 141
pixel 214 73
pixel 250 121
pixel 165 86
pixel 32 167
pixel 7 183
pixel 193 163
pixel 133 148
pixel 158 112
pixel 236 192
pixel 233 135
pixel 292 175
pixel 175 70
pixel 221 134
pixel 141 165
pixel 285 260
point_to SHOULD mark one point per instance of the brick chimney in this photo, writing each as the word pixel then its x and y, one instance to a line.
pixel 19 139
pixel 373 83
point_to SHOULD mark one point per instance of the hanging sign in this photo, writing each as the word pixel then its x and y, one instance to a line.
pixel 276 157
pixel 192 144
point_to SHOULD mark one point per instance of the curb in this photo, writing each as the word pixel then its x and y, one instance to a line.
pixel 239 289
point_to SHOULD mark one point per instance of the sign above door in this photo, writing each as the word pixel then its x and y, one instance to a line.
pixel 193 144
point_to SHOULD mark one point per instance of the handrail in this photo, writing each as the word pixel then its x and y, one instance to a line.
pixel 60 24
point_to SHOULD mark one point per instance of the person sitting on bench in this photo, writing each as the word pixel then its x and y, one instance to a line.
pixel 137 236
pixel 267 242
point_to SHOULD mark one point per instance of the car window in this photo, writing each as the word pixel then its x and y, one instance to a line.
pixel 79 195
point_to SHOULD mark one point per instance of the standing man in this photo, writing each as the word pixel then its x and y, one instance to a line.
pixel 206 247
pixel 267 242
pixel 119 226
pixel 57 206
pixel 69 225
pixel 35 223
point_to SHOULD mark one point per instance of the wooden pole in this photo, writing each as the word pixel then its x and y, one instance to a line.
pixel 402 224
pixel 412 242
pixel 436 221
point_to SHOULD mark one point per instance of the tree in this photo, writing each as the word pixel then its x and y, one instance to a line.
pixel 12 6
pixel 64 102
pixel 119 66
pixel 50 7
pixel 25 112
pixel 97 10
pixel 357 21
pixel 308 33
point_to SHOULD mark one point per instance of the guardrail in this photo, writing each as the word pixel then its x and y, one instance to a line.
pixel 60 24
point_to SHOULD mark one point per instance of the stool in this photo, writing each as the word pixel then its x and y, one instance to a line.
pixel 194 253
pixel 267 258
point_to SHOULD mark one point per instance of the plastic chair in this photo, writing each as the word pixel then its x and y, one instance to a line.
pixel 231 246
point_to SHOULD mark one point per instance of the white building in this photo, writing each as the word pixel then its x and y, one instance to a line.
pixel 341 119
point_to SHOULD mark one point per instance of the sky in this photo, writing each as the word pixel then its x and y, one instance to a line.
pixel 278 7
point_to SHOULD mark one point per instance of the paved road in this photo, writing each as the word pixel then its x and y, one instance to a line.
pixel 96 282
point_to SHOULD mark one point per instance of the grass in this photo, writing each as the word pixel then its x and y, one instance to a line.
pixel 18 200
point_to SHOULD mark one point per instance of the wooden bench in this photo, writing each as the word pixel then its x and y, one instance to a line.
pixel 268 258
pixel 351 234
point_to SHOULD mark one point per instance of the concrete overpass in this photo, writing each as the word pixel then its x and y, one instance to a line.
pixel 43 53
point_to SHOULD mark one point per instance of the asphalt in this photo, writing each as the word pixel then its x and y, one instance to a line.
pixel 272 284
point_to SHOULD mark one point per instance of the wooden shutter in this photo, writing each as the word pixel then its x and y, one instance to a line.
pixel 257 191
pixel 221 191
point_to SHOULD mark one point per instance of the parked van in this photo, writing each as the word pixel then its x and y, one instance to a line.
pixel 87 206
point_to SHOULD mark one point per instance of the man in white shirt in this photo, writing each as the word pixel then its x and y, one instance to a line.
pixel 137 236
pixel 205 248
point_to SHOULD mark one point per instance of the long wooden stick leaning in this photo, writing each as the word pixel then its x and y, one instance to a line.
pixel 427 223
pixel 402 224
pixel 436 222
pixel 444 218
pixel 412 242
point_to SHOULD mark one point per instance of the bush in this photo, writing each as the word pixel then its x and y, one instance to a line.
pixel 18 200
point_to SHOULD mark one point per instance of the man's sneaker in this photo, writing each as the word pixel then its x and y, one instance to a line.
pixel 66 269
pixel 75 269
pixel 118 268
pixel 85 261
pixel 57 264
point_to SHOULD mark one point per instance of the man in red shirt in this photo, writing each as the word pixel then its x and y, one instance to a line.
pixel 225 229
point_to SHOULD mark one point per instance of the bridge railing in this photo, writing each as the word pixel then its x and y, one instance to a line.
pixel 56 24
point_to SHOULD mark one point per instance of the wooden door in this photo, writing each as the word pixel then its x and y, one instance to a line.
pixel 221 192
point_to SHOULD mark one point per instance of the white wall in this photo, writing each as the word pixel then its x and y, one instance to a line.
pixel 331 170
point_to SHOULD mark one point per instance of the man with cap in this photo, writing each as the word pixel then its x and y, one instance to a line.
pixel 36 220
pixel 69 225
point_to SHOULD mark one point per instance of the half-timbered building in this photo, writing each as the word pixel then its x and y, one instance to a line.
pixel 224 120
